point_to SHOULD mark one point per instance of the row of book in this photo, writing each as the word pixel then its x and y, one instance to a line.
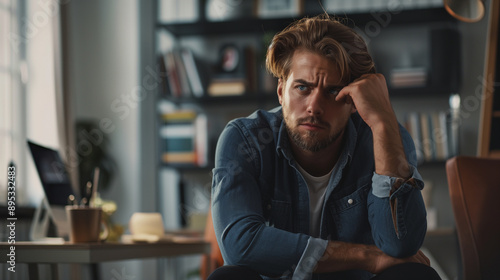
pixel 186 76
pixel 435 135
pixel 184 138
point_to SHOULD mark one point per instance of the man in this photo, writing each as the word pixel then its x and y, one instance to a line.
pixel 325 186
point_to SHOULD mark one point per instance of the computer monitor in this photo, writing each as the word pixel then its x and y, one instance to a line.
pixel 57 188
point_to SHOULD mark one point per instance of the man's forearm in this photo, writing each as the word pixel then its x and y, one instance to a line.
pixel 388 150
pixel 341 256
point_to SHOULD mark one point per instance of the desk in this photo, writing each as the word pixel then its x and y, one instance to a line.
pixel 34 253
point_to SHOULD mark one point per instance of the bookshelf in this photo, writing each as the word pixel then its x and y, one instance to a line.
pixel 434 24
pixel 259 25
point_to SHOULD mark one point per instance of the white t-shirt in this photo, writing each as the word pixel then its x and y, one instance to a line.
pixel 317 190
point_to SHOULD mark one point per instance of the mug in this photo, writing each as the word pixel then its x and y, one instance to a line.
pixel 85 224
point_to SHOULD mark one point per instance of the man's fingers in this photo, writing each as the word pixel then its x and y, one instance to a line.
pixel 421 258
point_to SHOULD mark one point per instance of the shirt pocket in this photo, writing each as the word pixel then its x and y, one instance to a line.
pixel 280 214
pixel 350 216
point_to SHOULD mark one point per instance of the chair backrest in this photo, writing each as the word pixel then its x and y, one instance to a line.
pixel 474 185
pixel 214 260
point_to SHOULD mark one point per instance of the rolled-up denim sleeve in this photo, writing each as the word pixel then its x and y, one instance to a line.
pixel 238 214
pixel 383 186
pixel 396 209
pixel 312 254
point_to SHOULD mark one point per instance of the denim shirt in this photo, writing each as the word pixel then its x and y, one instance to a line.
pixel 260 201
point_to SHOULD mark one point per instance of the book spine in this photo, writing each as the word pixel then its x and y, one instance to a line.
pixel 192 72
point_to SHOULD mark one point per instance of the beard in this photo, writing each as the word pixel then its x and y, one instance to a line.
pixel 311 141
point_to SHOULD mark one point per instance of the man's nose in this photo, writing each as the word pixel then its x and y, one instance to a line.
pixel 315 102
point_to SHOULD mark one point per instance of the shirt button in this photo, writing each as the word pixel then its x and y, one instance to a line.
pixel 350 201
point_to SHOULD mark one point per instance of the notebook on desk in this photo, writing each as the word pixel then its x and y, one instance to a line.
pixel 57 188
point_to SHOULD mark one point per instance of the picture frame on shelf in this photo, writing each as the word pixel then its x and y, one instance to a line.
pixel 229 77
pixel 279 8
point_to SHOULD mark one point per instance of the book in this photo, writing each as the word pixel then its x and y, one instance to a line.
pixel 173 80
pixel 182 74
pixel 184 138
pixel 413 127
pixel 185 75
pixel 178 137
pixel 201 140
pixel 226 86
pixel 193 73
pixel 439 136
pixel 427 142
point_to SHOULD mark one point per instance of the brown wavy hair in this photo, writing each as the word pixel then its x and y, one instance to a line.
pixel 325 36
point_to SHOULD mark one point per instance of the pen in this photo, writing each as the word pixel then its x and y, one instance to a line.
pixel 88 193
pixel 94 188
pixel 84 202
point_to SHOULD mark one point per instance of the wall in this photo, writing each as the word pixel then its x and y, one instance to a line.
pixel 105 79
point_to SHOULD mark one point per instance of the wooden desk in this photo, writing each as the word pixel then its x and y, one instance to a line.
pixel 41 253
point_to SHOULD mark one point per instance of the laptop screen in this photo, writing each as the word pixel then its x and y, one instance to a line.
pixel 53 174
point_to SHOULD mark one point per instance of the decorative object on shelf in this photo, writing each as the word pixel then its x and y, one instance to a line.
pixel 234 73
pixel 279 8
pixel 465 10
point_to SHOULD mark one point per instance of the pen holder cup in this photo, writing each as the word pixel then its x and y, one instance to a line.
pixel 86 224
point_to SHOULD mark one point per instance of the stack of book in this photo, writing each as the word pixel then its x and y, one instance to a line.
pixel 184 138
pixel 408 77
pixel 433 135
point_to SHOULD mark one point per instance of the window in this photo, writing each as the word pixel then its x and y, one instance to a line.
pixel 27 91
pixel 12 126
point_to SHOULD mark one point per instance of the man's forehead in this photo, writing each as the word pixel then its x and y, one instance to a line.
pixel 310 67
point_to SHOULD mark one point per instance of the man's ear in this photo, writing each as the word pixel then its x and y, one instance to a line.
pixel 280 89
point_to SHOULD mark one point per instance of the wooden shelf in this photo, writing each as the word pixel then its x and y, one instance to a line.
pixel 259 25
pixel 494 153
pixel 254 97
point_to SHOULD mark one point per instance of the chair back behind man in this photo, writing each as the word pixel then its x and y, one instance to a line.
pixel 474 185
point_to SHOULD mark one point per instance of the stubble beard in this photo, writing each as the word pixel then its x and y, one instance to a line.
pixel 308 140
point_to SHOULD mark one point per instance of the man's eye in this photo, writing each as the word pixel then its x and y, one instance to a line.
pixel 301 87
pixel 334 91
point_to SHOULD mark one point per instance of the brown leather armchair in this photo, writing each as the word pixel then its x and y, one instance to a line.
pixel 474 185
pixel 210 262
